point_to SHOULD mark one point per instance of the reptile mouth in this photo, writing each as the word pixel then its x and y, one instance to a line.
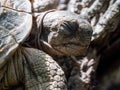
pixel 70 44
pixel 71 49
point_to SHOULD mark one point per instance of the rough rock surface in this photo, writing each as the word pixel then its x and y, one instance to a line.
pixel 44 5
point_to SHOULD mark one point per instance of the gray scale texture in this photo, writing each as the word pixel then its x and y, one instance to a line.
pixel 34 69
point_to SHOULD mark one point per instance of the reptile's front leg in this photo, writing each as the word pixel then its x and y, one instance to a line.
pixel 42 72
pixel 31 69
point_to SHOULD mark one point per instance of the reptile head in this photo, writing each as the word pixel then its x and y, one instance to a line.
pixel 65 34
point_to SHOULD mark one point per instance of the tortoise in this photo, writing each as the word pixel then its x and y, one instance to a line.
pixel 15 26
pixel 27 42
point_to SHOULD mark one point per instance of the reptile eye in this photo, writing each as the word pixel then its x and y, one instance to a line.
pixel 89 32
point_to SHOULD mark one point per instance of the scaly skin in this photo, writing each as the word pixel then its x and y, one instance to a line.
pixel 34 69
pixel 47 75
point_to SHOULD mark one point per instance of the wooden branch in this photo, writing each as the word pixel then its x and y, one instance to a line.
pixel 93 10
pixel 109 21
